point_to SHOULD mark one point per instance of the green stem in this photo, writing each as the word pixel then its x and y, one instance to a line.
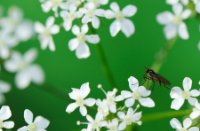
pixel 105 66
pixel 164 115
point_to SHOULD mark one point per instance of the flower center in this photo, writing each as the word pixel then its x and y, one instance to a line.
pixel 95 124
pixel 119 16
pixel 55 3
pixel 186 94
pixel 47 32
pixel 80 101
pixel 81 38
pixel 136 95
pixel 183 129
pixel 1 124
pixel 128 120
pixel 177 19
pixel 31 127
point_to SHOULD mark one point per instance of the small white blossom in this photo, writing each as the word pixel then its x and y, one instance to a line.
pixel 121 22
pixel 129 118
pixel 174 22
pixel 79 95
pixel 79 43
pixel 197 5
pixel 46 32
pixel 95 124
pixel 38 124
pixel 180 95
pixel 196 111
pixel 5 114
pixel 53 5
pixel 113 125
pixel 102 108
pixel 187 123
pixel 4 88
pixel 27 72
pixel 97 3
pixel 137 92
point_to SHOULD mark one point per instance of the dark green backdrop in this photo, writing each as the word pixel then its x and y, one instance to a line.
pixel 126 57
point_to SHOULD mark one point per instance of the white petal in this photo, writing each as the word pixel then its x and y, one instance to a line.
pixel 122 125
pixel 182 30
pixel 54 29
pixel 187 123
pixel 193 129
pixel 133 83
pixel 94 39
pixel 127 27
pixel 28 116
pixel 126 94
pixel 83 51
pixel 75 30
pixel 22 79
pixel 37 74
pixel 39 28
pixel 194 93
pixel 195 113
pixel 24 128
pixel 177 103
pixel 113 108
pixel 129 102
pixel 192 101
pixel 186 13
pixel 8 124
pixel 176 92
pixel 147 102
pixel 136 117
pixel 170 31
pixel 90 102
pixel 114 6
pixel 5 113
pixel 71 107
pixel 129 10
pixel 30 55
pixel 115 28
pixel 73 44
pixel 50 21
pixel 4 87
pixel 177 8
pixel 84 29
pixel 121 115
pixel 85 90
pixel 83 110
pixel 85 19
pixel 175 124
pixel 187 83
pixel 41 122
pixel 165 17
pixel 143 91
pixel 95 22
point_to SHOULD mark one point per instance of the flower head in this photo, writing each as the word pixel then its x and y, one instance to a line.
pixel 121 22
pixel 174 22
pixel 46 32
pixel 187 123
pixel 38 124
pixel 27 72
pixel 79 95
pixel 137 93
pixel 5 113
pixel 4 88
pixel 180 95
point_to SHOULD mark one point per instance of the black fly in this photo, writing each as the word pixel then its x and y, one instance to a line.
pixel 152 75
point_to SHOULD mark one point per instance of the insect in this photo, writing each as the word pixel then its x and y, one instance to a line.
pixel 152 75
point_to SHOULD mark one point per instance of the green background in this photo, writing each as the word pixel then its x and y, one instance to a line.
pixel 126 57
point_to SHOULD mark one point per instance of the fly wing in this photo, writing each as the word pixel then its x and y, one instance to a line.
pixel 163 80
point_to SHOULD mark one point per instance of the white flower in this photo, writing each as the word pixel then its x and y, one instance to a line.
pixel 53 5
pixel 26 71
pixel 102 108
pixel 185 127
pixel 197 5
pixel 97 3
pixel 95 124
pixel 69 16
pixel 5 113
pixel 139 93
pixel 130 117
pixel 113 125
pixel 46 32
pixel 174 22
pixel 79 95
pixel 4 88
pixel 196 111
pixel 38 124
pixel 121 22
pixel 79 43
pixel 180 95
pixel 173 2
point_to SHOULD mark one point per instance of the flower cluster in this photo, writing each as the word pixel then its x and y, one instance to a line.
pixel 179 96
pixel 39 124
pixel 110 115
pixel 15 29
pixel 82 16
pixel 174 22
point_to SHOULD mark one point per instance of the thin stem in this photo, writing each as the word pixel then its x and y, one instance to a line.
pixel 164 115
pixel 104 62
